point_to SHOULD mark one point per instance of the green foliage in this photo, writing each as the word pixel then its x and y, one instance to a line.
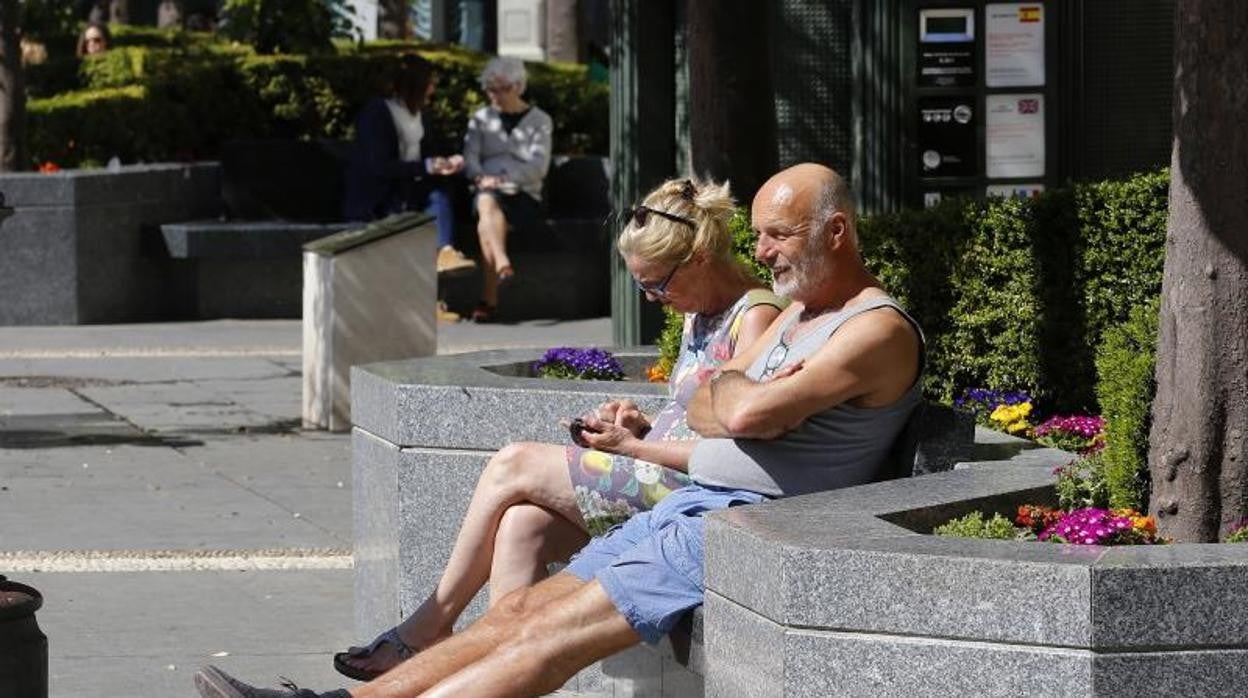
pixel 200 93
pixel 1125 388
pixel 1017 293
pixel 47 19
pixel 287 26
pixel 975 525
pixel 1239 535
pixel 1081 484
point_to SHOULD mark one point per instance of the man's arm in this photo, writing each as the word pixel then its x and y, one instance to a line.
pixel 698 412
pixel 871 361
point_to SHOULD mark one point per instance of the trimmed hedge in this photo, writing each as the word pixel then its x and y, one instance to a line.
pixel 1017 294
pixel 199 94
pixel 1125 388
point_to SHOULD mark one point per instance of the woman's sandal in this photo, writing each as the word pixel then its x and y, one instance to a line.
pixel 483 313
pixel 390 637
pixel 506 274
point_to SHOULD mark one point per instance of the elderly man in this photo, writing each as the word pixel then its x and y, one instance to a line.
pixel 815 404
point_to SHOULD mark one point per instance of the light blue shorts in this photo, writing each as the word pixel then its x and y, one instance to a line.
pixel 651 565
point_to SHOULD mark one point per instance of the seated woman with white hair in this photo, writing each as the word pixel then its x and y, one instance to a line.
pixel 506 156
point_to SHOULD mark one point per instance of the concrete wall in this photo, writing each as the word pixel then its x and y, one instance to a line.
pixel 75 250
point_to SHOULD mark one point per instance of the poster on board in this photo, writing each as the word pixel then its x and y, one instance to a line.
pixel 1013 44
pixel 1014 135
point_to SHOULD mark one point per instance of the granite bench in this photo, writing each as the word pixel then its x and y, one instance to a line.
pixel 277 195
pixel 418 449
pixel 563 266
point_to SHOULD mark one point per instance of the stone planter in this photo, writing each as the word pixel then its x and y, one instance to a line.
pixel 74 251
pixel 842 593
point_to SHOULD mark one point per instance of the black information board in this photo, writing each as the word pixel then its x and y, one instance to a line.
pixel 946 137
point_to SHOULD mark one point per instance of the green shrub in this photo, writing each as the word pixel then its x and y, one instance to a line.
pixel 975 525
pixel 225 92
pixel 1239 534
pixel 287 26
pixel 1016 294
pixel 1082 483
pixel 1125 387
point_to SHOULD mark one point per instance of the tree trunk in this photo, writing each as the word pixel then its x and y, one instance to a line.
pixel 732 112
pixel 12 90
pixel 1198 453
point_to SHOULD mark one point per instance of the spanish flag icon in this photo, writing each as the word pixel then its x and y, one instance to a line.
pixel 1029 13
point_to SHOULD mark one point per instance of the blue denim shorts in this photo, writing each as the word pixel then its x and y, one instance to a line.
pixel 651 565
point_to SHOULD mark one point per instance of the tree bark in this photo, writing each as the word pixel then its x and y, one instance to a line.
pixel 1198 449
pixel 12 90
pixel 732 112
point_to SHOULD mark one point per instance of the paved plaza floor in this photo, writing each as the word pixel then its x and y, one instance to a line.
pixel 155 486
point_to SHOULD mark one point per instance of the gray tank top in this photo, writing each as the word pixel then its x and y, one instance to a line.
pixel 838 447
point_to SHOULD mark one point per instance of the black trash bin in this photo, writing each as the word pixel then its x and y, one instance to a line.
pixel 23 647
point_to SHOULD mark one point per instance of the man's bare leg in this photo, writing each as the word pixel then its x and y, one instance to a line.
pixel 501 623
pixel 545 648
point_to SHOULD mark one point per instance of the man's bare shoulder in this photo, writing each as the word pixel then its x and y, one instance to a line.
pixel 884 347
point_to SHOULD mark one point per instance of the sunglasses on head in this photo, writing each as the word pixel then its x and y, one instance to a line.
pixel 641 213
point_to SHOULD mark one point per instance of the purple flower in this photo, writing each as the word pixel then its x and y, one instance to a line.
pixel 587 364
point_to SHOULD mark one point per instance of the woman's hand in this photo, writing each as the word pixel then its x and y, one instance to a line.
pixel 608 437
pixel 488 182
pixel 624 413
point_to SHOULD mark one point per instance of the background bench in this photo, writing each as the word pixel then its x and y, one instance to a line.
pixel 277 195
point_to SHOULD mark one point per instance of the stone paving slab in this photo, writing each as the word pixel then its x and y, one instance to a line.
pixel 307 473
pixel 134 497
pixel 145 369
pixel 184 407
pixel 118 634
pixel 41 401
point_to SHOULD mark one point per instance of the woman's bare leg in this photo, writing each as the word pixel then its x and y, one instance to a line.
pixel 492 234
pixel 529 538
pixel 521 472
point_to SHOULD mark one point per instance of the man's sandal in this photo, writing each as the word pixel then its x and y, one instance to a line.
pixel 390 637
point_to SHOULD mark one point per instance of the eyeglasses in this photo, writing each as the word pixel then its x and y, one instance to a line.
pixel 497 88
pixel 658 290
pixel 775 358
pixel 640 213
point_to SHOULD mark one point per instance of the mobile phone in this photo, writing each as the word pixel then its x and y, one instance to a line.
pixel 576 428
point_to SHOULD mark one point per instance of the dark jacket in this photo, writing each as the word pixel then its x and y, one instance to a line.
pixel 378 183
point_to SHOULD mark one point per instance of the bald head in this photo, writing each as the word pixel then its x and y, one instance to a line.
pixel 809 191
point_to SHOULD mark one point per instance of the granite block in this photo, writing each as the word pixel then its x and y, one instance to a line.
pixel 433 490
pixel 922 585
pixel 818 663
pixel 75 249
pixel 442 402
pixel 1188 596
pixel 39 267
pixel 938 489
pixel 243 239
pixel 375 507
pixel 744 651
pixel 1206 673
pixel 636 672
pixel 681 682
